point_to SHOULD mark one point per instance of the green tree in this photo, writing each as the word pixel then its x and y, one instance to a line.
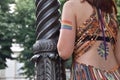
pixel 6 34
pixel 18 26
pixel 25 24
pixel 118 15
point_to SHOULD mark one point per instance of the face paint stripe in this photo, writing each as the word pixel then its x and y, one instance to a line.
pixel 66 27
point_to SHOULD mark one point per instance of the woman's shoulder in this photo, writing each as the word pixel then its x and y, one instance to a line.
pixel 73 3
pixel 69 4
pixel 76 5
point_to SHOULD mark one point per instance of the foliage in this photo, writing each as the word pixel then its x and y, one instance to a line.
pixel 118 15
pixel 25 23
pixel 6 32
pixel 18 26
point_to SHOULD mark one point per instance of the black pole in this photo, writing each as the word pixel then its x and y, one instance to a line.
pixel 49 66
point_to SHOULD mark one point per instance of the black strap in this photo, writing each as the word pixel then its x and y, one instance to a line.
pixel 99 38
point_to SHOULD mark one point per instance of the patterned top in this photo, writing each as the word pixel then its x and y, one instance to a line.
pixel 91 27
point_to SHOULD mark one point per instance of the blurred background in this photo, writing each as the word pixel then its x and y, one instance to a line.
pixel 17 36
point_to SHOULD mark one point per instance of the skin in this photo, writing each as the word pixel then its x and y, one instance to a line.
pixel 77 12
pixel 118 48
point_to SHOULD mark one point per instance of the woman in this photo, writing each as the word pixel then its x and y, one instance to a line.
pixel 89 32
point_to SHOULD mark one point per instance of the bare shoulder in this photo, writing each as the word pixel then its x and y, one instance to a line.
pixel 77 5
pixel 69 4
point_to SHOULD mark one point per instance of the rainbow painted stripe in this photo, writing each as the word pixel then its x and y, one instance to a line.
pixel 66 25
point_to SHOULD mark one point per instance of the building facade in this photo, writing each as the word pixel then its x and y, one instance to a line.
pixel 12 72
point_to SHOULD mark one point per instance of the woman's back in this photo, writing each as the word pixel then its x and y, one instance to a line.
pixel 83 12
pixel 90 33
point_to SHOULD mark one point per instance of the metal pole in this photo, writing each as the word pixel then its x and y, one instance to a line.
pixel 49 66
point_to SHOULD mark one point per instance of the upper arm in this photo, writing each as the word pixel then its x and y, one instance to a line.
pixel 67 37
pixel 117 48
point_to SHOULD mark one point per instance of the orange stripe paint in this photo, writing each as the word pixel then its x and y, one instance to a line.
pixel 65 21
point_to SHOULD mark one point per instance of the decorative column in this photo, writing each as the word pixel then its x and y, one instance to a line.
pixel 49 66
